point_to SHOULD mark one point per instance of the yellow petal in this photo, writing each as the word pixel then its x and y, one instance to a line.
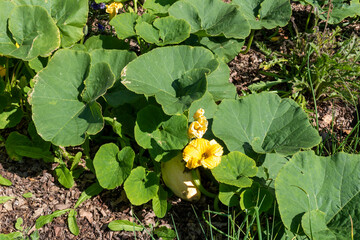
pixel 202 120
pixel 215 148
pixel 193 152
pixel 211 162
pixel 196 130
pixel 200 112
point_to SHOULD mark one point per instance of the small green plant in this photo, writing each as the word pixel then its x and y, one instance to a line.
pixel 318 64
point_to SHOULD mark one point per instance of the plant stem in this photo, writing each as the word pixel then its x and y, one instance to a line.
pixel 135 6
pixel 313 93
pixel 199 186
pixel 249 42
pixel 258 223
pixel 7 80
pixel 308 20
pixel 31 72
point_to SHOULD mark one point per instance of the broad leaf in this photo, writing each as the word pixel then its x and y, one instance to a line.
pixel 265 122
pixel 63 98
pixel 272 164
pixel 229 195
pixel 265 13
pixel 140 187
pixel 224 48
pixel 124 225
pixel 176 76
pixel 219 85
pixel 314 225
pixel 256 196
pixel 105 42
pixel 164 31
pixel 117 59
pixel 112 166
pixel 30 31
pixel 70 17
pixel 328 184
pixel 212 18
pixel 124 25
pixel 235 169
pixel 153 128
pixel 158 6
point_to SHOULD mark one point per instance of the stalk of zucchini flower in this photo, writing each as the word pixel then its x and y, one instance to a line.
pixel 113 9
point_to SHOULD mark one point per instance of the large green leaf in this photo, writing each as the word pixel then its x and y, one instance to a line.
pixel 219 85
pixel 105 42
pixel 265 13
pixel 328 184
pixel 153 128
pixel 117 59
pixel 112 166
pixel 164 31
pixel 70 17
pixel 63 98
pixel 314 225
pixel 212 18
pixel 30 32
pixel 124 25
pixel 265 122
pixel 158 6
pixel 225 49
pixel 140 186
pixel 176 75
pixel 235 169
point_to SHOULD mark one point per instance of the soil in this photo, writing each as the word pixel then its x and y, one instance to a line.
pixel 94 215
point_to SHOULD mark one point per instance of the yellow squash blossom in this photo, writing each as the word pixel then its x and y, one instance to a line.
pixel 198 128
pixel 202 152
pixel 113 9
